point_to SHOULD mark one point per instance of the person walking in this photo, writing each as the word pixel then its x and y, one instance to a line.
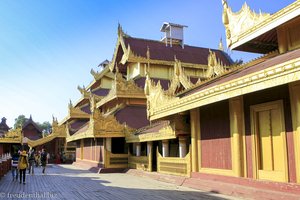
pixel 22 166
pixel 44 159
pixel 31 160
pixel 14 166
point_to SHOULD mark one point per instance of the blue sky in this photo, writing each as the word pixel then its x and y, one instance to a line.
pixel 48 47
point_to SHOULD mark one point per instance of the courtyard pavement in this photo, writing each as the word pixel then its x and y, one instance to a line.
pixel 70 182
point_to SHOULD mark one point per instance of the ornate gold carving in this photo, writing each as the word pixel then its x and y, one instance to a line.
pixel 12 136
pixel 109 124
pixel 239 22
pixel 122 87
pixel 75 112
pixel 166 132
pixel 85 94
pixel 156 95
pixel 277 75
pixel 215 66
pixel 94 99
pixel 58 131
pixel 67 125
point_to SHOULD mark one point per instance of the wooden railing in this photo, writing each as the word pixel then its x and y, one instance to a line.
pixel 140 162
pixel 5 166
pixel 174 165
pixel 115 160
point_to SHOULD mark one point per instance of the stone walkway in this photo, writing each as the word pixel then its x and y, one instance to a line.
pixel 70 182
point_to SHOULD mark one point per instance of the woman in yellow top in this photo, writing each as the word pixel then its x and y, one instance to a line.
pixel 22 166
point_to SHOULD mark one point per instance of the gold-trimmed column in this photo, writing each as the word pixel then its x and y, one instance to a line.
pixel 165 148
pixel 182 147
pixel 81 149
pixel 295 108
pixel 236 131
pixel 138 149
pixel 108 144
pixel 149 147
pixel 194 117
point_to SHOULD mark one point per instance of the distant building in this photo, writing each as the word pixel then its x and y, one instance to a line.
pixel 31 130
pixel 3 127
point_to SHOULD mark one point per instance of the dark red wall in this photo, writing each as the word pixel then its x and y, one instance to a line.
pixel 91 150
pixel 99 153
pixel 264 96
pixel 215 136
pixel 87 148
pixel 31 132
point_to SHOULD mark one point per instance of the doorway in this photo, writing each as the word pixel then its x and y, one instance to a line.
pixel 154 155
pixel 269 142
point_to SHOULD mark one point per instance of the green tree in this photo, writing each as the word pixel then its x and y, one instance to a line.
pixel 45 126
pixel 19 121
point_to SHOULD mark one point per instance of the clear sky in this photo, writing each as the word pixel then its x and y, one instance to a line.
pixel 47 48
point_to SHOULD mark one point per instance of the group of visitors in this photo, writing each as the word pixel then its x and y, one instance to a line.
pixel 23 160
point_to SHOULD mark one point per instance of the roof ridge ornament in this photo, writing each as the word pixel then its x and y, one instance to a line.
pixel 221 47
pixel 237 23
pixel 95 74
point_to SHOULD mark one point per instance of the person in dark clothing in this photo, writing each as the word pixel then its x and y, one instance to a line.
pixel 31 160
pixel 44 159
pixel 14 166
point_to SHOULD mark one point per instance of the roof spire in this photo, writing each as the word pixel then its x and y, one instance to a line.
pixel 221 47
pixel 70 104
pixel 120 30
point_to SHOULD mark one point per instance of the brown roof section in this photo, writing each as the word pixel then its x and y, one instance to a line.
pixel 163 82
pixel 133 116
pixel 101 92
pixel 30 121
pixel 75 126
pixel 152 128
pixel 86 109
pixel 159 51
pixel 245 71
pixel 83 128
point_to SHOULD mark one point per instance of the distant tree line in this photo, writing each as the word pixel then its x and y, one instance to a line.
pixel 45 126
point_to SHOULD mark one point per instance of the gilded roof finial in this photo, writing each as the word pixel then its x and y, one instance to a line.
pixel 148 61
pixel 221 45
pixel 94 73
pixel 81 89
pixel 70 104
pixel 120 30
pixel 176 66
pixel 148 53
pixel 225 15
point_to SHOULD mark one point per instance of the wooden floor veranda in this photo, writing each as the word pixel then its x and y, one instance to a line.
pixel 70 182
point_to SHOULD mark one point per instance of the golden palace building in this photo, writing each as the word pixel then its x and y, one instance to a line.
pixel 244 120
pixel 169 108
pixel 109 123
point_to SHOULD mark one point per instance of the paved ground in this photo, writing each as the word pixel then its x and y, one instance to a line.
pixel 69 182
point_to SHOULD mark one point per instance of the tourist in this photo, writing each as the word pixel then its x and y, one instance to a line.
pixel 22 166
pixel 31 160
pixel 14 166
pixel 44 159
pixel 37 158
